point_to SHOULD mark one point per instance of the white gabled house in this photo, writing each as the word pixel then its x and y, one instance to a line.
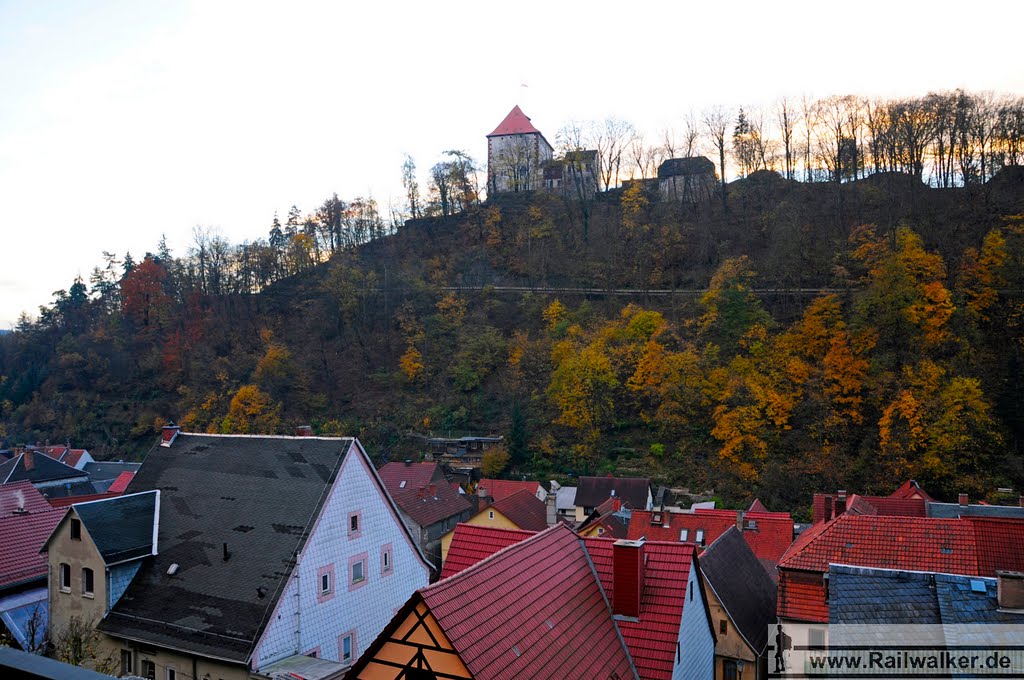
pixel 268 548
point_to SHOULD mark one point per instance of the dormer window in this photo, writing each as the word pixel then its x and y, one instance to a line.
pixel 684 535
pixel 655 518
pixel 700 537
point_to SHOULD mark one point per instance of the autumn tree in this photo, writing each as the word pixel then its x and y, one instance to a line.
pixel 716 122
pixel 252 411
pixel 143 298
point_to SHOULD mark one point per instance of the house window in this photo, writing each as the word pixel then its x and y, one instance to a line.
pixel 600 530
pixel 76 529
pixel 700 537
pixel 684 535
pixel 691 592
pixel 355 524
pixel 357 571
pixel 490 514
pixel 127 668
pixel 148 669
pixel 65 577
pixel 172 674
pixel 729 670
pixel 347 648
pixel 386 558
pixel 723 627
pixel 325 583
pixel 87 581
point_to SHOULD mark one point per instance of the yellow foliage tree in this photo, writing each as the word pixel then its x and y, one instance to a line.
pixel 252 411
pixel 412 363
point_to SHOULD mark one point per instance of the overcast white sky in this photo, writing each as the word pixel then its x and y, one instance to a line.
pixel 124 120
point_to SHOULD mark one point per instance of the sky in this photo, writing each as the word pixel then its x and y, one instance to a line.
pixel 121 121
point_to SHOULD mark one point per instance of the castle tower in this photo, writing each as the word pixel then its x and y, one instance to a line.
pixel 516 155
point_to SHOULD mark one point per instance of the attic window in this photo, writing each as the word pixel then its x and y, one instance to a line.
pixel 655 518
pixel 684 535
pixel 946 551
pixel 977 586
pixel 700 537
pixel 76 529
pixel 401 484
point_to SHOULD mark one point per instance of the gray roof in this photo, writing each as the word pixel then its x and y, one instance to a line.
pixel 955 510
pixel 565 498
pixel 109 469
pixel 260 496
pixel 37 468
pixel 691 165
pixel 742 586
pixel 592 491
pixel 18 664
pixel 121 527
pixel 886 596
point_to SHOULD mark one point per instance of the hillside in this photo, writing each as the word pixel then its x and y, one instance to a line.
pixel 801 337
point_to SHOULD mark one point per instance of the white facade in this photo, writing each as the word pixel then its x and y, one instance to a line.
pixel 516 162
pixel 695 658
pixel 324 610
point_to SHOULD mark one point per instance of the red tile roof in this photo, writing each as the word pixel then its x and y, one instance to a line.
pixel 651 640
pixel 503 488
pixel 24 534
pixel 909 500
pixel 909 543
pixel 533 609
pixel 65 501
pixel 524 509
pixel 769 534
pixel 426 502
pixel 63 454
pixel 1000 544
pixel 911 489
pixel 515 123
pixel 121 483
pixel 471 543
pixel 757 506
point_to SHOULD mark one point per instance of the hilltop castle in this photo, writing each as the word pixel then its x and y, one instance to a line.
pixel 519 158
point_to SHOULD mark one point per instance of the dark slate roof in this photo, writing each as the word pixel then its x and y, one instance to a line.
pixel 37 468
pixel 692 165
pixel 71 489
pixel 742 586
pixel 863 595
pixel 109 469
pixel 883 596
pixel 121 527
pixel 593 491
pixel 954 510
pixel 260 495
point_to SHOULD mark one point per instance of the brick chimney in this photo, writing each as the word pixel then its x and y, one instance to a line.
pixel 433 490
pixel 840 502
pixel 168 434
pixel 304 431
pixel 963 500
pixel 1010 589
pixel 627 577
pixel 421 491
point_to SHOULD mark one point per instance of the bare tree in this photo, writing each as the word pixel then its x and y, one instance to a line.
pixel 784 117
pixel 612 139
pixel 716 123
pixel 412 187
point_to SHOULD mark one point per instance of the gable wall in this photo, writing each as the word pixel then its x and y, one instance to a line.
pixel 304 619
pixel 78 554
pixel 696 659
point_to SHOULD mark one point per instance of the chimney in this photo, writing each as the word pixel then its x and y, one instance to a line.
pixel 28 461
pixel 408 462
pixel 421 491
pixel 963 500
pixel 627 577
pixel 739 521
pixel 304 431
pixel 433 490
pixel 616 504
pixel 1010 589
pixel 168 434
pixel 227 555
pixel 551 507
pixel 481 491
pixel 840 502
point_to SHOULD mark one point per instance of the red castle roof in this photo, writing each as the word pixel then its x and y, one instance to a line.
pixel 515 123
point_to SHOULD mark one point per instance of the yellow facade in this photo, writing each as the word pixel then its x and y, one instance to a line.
pixel 729 644
pixel 488 517
pixel 79 554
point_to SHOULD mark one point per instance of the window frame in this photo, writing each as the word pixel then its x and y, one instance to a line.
pixel 684 535
pixel 75 528
pixel 91 590
pixel 151 672
pixel 64 577
pixel 325 578
pixel 362 572
pixel 127 662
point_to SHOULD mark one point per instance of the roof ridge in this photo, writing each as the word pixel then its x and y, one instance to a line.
pixel 262 436
pixel 492 556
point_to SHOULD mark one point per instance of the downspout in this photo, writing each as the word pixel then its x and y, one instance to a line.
pixel 298 607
